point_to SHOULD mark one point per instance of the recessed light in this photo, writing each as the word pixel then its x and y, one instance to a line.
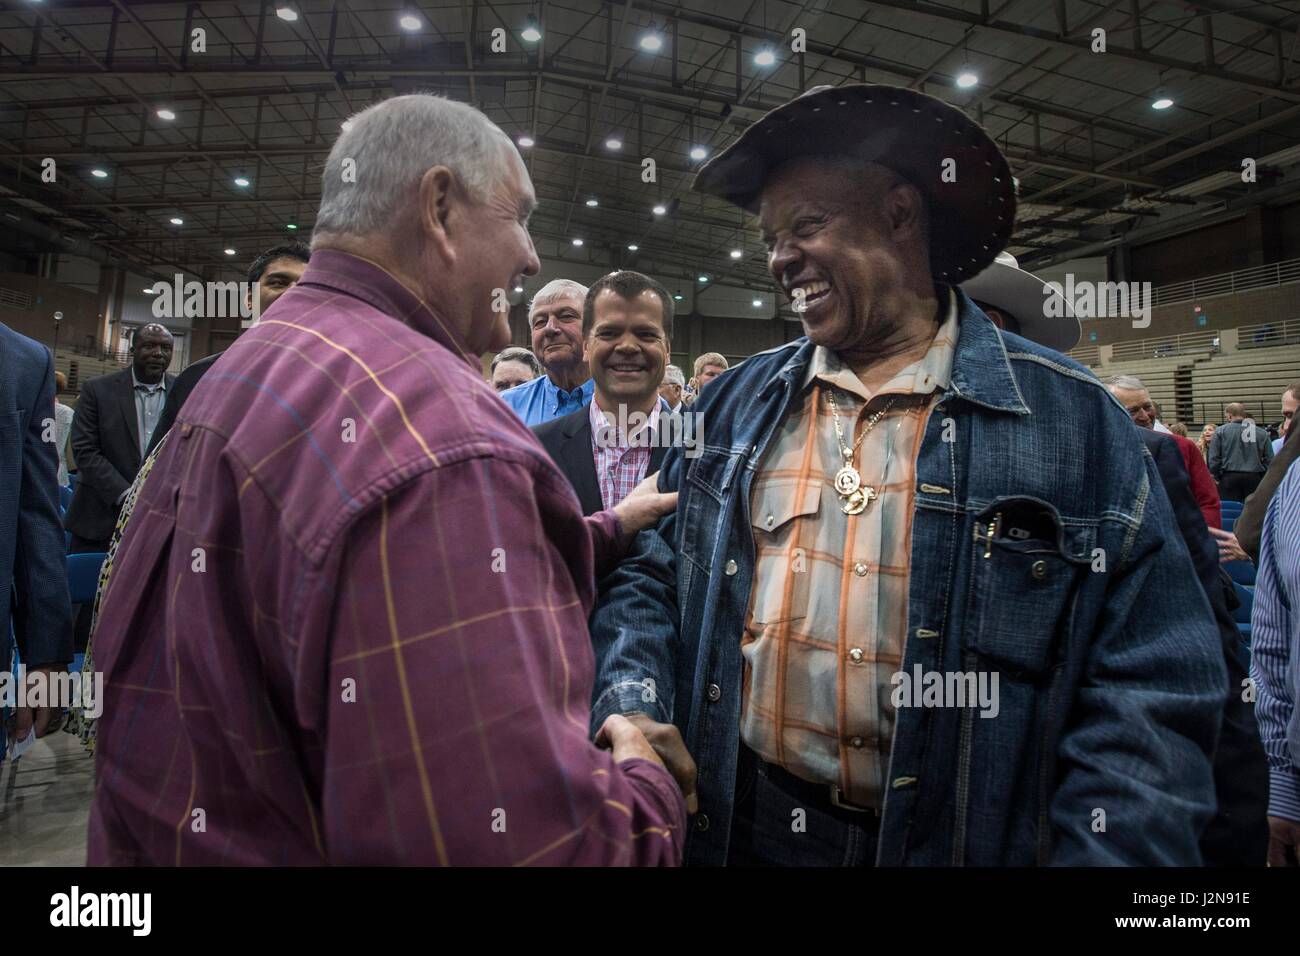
pixel 593 203
pixel 230 252
pixel 577 242
pixel 291 226
pixel 613 143
pixel 165 114
pixel 698 152
pixel 633 247
pixel 241 181
pixel 176 221
pixel 410 22
pixel 757 303
pixel 525 141
pixel 1163 103
pixel 99 173
pixel 287 14
pixel 652 42
pixel 764 57
pixel 704 278
pixel 736 253
pixel 659 209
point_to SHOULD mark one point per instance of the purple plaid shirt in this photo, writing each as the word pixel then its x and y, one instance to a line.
pixel 348 619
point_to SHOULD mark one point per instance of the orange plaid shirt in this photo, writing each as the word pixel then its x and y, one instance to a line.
pixel 827 618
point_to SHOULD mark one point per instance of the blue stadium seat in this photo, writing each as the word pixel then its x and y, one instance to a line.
pixel 83 576
pixel 1229 522
pixel 1243 572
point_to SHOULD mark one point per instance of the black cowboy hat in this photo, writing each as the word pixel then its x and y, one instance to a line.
pixel 971 218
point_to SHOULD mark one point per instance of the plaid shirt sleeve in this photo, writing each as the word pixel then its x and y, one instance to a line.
pixel 458 614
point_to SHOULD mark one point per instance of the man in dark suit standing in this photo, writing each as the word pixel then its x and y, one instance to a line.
pixel 33 573
pixel 116 415
pixel 607 447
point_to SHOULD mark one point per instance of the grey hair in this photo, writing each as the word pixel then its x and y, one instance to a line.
pixel 674 376
pixel 517 353
pixel 558 289
pixel 1130 383
pixel 391 145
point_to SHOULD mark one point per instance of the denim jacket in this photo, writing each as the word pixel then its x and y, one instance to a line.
pixel 1111 676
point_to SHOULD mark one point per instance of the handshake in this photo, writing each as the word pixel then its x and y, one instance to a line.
pixel 636 735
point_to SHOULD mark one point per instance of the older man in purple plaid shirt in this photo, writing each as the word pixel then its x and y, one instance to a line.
pixel 347 619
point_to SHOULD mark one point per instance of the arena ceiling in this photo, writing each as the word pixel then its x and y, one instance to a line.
pixel 82 82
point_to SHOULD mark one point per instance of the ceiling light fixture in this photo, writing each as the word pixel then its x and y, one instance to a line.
pixel 176 221
pixel 764 57
pixel 966 79
pixel 410 22
pixel 698 153
pixel 613 143
pixel 736 254
pixel 652 42
pixel 632 247
pixel 593 203
pixel 659 209
pixel 99 173
pixel 230 252
pixel 526 141
pixel 577 242
pixel 241 181
pixel 287 14
pixel 165 114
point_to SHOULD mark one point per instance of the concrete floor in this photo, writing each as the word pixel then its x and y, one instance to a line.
pixel 45 802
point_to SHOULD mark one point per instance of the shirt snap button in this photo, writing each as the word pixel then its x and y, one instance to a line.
pixel 731 567
pixel 769 521
pixel 715 693
pixel 857 743
pixel 856 655
pixel 860 569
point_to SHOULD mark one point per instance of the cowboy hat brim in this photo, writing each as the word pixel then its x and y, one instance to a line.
pixel 949 158
pixel 1024 296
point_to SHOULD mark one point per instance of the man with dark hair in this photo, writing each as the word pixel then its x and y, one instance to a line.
pixel 609 445
pixel 274 273
pixel 514 366
pixel 115 418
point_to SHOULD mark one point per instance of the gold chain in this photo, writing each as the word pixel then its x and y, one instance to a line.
pixel 847 452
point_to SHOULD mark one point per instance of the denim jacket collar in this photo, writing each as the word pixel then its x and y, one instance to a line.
pixel 981 370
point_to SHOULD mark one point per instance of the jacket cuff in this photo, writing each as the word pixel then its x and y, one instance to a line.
pixel 629 697
pixel 1284 793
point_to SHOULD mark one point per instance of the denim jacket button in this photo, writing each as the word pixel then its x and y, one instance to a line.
pixel 714 693
pixel 1039 570
pixel 731 567
pixel 701 821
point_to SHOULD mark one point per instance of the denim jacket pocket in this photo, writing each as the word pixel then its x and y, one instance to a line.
pixel 781 553
pixel 1023 577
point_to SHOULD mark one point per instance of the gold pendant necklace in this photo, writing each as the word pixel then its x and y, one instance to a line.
pixel 848 482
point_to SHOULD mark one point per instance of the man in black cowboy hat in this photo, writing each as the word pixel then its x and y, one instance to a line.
pixel 902 614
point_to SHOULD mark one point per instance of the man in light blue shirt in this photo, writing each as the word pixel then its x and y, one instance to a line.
pixel 1275 666
pixel 555 321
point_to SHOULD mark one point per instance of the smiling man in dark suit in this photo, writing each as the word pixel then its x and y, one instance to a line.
pixel 608 446
pixel 116 415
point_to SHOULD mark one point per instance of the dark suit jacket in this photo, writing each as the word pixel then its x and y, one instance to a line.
pixel 33 568
pixel 1238 833
pixel 568 441
pixel 176 396
pixel 1249 528
pixel 106 443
